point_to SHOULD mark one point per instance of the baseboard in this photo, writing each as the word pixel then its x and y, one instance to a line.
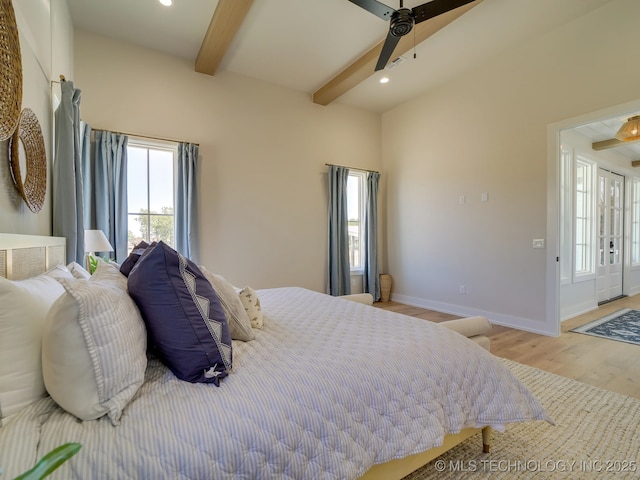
pixel 577 310
pixel 518 323
pixel 633 291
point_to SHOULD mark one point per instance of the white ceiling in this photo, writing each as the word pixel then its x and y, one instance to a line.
pixel 304 44
pixel 606 129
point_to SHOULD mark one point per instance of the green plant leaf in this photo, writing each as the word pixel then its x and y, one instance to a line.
pixel 51 461
pixel 93 264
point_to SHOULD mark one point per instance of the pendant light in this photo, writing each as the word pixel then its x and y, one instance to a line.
pixel 630 130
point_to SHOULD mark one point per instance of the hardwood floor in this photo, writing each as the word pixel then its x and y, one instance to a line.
pixel 607 364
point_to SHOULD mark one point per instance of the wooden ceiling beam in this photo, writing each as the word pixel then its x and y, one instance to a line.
pixel 226 21
pixel 611 143
pixel 365 66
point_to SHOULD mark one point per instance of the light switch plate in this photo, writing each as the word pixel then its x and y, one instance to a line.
pixel 538 243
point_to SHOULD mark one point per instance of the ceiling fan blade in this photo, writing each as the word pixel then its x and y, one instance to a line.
pixel 387 50
pixel 436 7
pixel 375 7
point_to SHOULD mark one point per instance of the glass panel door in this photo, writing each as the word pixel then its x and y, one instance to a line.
pixel 610 235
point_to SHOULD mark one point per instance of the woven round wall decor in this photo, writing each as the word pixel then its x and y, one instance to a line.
pixel 10 71
pixel 28 134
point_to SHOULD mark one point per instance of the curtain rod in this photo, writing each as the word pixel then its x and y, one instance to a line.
pixel 62 79
pixel 351 168
pixel 144 136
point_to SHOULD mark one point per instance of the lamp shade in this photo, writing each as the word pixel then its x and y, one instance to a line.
pixel 630 130
pixel 96 241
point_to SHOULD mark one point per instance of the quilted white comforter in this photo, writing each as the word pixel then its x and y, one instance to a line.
pixel 326 390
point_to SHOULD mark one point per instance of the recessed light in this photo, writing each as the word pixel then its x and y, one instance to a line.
pixel 166 3
pixel 384 80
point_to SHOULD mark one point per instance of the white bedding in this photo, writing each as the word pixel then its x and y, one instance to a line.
pixel 327 389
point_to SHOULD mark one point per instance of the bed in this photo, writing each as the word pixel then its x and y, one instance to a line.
pixel 327 388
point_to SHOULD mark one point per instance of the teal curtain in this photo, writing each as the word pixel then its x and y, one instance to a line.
pixel 187 231
pixel 339 272
pixel 108 190
pixel 88 178
pixel 68 207
pixel 371 272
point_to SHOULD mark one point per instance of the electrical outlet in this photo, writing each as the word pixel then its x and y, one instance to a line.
pixel 462 290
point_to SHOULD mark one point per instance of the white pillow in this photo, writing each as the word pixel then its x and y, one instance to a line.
pixel 94 346
pixel 23 308
pixel 78 271
pixel 251 304
pixel 239 323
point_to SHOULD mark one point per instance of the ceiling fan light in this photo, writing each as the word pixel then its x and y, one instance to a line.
pixel 630 130
pixel 166 3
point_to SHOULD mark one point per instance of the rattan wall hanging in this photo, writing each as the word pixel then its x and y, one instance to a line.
pixel 28 135
pixel 22 129
pixel 10 71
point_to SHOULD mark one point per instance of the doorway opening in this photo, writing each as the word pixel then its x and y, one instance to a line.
pixel 596 232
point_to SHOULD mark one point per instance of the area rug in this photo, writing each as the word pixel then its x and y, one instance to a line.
pixel 596 435
pixel 623 325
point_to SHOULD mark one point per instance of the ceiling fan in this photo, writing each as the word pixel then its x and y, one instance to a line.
pixel 403 20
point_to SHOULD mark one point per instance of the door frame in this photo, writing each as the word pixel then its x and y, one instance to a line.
pixel 552 320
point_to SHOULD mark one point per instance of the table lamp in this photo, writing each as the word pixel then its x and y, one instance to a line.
pixel 95 241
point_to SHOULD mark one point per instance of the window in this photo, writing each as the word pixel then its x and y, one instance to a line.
pixel 635 222
pixel 355 213
pixel 150 173
pixel 584 218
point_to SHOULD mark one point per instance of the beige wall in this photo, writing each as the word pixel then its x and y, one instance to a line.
pixel 263 202
pixel 486 131
pixel 46 37
pixel 263 149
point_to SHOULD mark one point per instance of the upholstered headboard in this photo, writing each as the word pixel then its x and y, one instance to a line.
pixel 24 256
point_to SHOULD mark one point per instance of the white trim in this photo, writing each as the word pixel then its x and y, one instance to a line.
pixel 633 191
pixel 591 168
pixel 553 163
pixel 577 310
pixel 552 321
pixel 362 185
pixel 519 323
pixel 565 168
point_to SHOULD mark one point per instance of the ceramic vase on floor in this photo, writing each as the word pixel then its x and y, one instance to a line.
pixel 385 287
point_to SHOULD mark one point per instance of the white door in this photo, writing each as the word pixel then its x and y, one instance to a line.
pixel 610 235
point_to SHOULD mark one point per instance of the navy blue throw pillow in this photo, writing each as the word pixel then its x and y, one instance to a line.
pixel 134 256
pixel 184 318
